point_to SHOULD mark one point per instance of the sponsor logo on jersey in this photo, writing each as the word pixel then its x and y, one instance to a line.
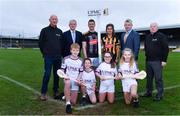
pixel 107 73
pixel 108 45
pixel 93 41
pixel 70 68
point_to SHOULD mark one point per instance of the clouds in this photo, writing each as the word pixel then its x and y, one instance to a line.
pixel 29 16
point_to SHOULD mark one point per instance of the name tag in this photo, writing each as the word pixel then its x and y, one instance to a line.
pixel 58 35
pixel 154 39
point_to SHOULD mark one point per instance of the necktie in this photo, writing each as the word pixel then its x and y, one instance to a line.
pixel 73 36
pixel 125 37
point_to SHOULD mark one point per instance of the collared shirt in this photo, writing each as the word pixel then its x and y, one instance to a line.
pixel 73 35
pixel 129 32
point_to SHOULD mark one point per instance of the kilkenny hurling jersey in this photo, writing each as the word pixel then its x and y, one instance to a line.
pixel 110 44
pixel 72 66
pixel 106 71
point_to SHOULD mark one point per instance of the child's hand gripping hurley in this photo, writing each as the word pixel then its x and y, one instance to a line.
pixel 61 74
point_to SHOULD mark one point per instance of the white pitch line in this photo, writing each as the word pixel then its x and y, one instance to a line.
pixel 98 104
pixel 30 89
pixel 62 103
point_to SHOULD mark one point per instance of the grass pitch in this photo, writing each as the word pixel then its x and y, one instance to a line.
pixel 26 66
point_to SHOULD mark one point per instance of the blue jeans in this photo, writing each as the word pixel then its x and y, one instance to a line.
pixel 50 62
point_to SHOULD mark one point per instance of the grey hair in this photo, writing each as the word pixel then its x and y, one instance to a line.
pixel 72 20
pixel 128 21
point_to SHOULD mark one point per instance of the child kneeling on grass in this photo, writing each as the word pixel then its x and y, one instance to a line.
pixel 71 66
pixel 87 77
pixel 107 69
pixel 129 85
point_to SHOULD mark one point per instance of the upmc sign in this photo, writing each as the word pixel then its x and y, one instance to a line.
pixel 94 12
pixel 98 12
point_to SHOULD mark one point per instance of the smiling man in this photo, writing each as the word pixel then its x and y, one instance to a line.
pixel 51 46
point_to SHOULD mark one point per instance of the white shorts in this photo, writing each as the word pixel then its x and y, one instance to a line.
pixel 106 88
pixel 89 91
pixel 126 84
pixel 74 86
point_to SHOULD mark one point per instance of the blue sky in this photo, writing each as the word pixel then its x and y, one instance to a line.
pixel 27 17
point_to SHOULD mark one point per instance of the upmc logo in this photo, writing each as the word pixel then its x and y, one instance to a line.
pixel 94 12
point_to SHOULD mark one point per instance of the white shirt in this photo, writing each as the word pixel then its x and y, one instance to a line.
pixel 73 35
pixel 72 66
pixel 106 71
pixel 89 77
pixel 126 69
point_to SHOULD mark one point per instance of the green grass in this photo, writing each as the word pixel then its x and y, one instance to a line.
pixel 26 66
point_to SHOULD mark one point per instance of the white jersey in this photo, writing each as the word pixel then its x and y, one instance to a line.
pixel 106 71
pixel 89 77
pixel 72 66
pixel 126 69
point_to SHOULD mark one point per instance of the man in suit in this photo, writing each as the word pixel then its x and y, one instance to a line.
pixel 130 38
pixel 72 36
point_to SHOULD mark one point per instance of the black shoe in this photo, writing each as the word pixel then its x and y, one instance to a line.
pixel 83 101
pixel 146 95
pixel 157 98
pixel 136 103
pixel 68 109
pixel 62 97
pixel 58 96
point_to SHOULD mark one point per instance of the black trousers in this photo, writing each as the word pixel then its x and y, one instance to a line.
pixel 154 70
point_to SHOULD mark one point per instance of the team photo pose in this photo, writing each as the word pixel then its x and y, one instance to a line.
pixel 111 43
pixel 129 85
pixel 105 70
pixel 87 77
pixel 71 66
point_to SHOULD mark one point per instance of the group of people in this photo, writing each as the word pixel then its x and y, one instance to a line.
pixel 63 51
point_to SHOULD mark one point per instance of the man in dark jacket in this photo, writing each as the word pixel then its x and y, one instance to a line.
pixel 156 51
pixel 72 36
pixel 51 43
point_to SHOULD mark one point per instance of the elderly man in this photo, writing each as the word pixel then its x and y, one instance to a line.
pixel 130 38
pixel 156 51
pixel 51 46
pixel 72 36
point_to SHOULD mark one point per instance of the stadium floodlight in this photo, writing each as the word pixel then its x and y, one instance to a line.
pixel 98 13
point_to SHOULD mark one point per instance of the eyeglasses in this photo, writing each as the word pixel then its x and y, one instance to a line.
pixel 107 56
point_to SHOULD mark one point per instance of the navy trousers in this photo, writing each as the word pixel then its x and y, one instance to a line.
pixel 49 63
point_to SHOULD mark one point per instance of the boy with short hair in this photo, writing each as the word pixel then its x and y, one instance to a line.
pixel 71 66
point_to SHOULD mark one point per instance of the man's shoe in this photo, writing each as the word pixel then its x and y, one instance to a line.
pixel 57 97
pixel 157 98
pixel 68 109
pixel 146 95
pixel 43 97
